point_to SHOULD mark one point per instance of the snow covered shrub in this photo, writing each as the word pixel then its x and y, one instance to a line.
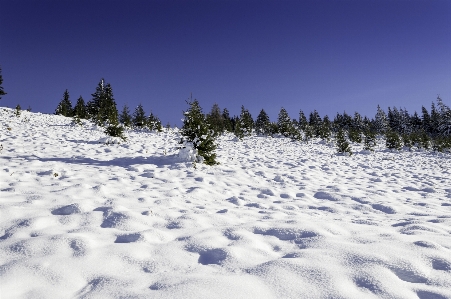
pixel 355 136
pixel 115 131
pixel 369 140
pixel 392 140
pixel 197 135
pixel 424 141
pixel 18 109
pixel 343 144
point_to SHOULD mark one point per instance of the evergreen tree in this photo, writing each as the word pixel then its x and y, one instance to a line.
pixel 2 91
pixel 425 141
pixel 302 122
pixel 139 116
pixel 426 120
pixel 325 129
pixel 415 122
pixel 284 124
pixel 263 124
pixel 109 108
pixel 315 122
pixel 154 123
pixel 80 108
pixel 215 120
pixel 125 117
pixel 93 106
pixel 435 120
pixel 65 106
pixel 392 140
pixel 342 144
pixel 369 140
pixel 102 107
pixel 227 120
pixel 444 123
pixel 245 124
pixel 196 131
pixel 355 135
pixel 380 121
pixel 18 110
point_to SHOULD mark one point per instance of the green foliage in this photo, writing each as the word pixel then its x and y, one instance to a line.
pixel 343 146
pixel 154 123
pixel 284 123
pixel 263 124
pixel 216 120
pixel 18 110
pixel 115 130
pixel 355 135
pixel 441 144
pixel 324 131
pixel 125 118
pixel 2 92
pixel 196 131
pixel 80 108
pixel 102 107
pixel 227 120
pixel 392 140
pixel 139 116
pixel 425 141
pixel 245 124
pixel 369 140
pixel 65 106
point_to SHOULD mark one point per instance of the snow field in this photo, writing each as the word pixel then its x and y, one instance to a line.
pixel 276 219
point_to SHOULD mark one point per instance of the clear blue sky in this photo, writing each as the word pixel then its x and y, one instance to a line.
pixel 325 55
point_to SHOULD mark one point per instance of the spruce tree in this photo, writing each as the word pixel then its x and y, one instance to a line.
pixel 2 91
pixel 139 116
pixel 392 140
pixel 245 124
pixel 435 120
pixel 380 121
pixel 369 140
pixel 444 123
pixel 302 122
pixel 18 110
pixel 262 123
pixel 315 122
pixel 65 106
pixel 80 108
pixel 196 131
pixel 154 123
pixel 325 129
pixel 216 120
pixel 94 106
pixel 125 117
pixel 227 120
pixel 342 144
pixel 284 124
pixel 109 107
pixel 426 120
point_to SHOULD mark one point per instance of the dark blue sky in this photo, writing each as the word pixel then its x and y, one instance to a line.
pixel 326 55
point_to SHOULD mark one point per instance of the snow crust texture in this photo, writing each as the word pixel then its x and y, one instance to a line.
pixel 276 219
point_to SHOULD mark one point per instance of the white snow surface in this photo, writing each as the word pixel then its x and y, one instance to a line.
pixel 276 219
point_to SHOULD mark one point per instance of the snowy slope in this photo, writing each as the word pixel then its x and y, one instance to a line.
pixel 276 219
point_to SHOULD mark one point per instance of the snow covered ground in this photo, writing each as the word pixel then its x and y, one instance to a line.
pixel 276 219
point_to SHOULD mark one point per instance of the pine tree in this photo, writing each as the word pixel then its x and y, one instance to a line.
pixel 415 122
pixel 216 120
pixel 110 114
pixel 94 106
pixel 315 122
pixel 369 140
pixel 262 123
pixel 18 110
pixel 426 120
pixel 227 120
pixel 80 108
pixel 392 140
pixel 245 124
pixel 196 131
pixel 2 91
pixel 284 124
pixel 435 120
pixel 325 129
pixel 302 122
pixel 125 117
pixel 139 116
pixel 65 106
pixel 154 123
pixel 444 123
pixel 342 144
